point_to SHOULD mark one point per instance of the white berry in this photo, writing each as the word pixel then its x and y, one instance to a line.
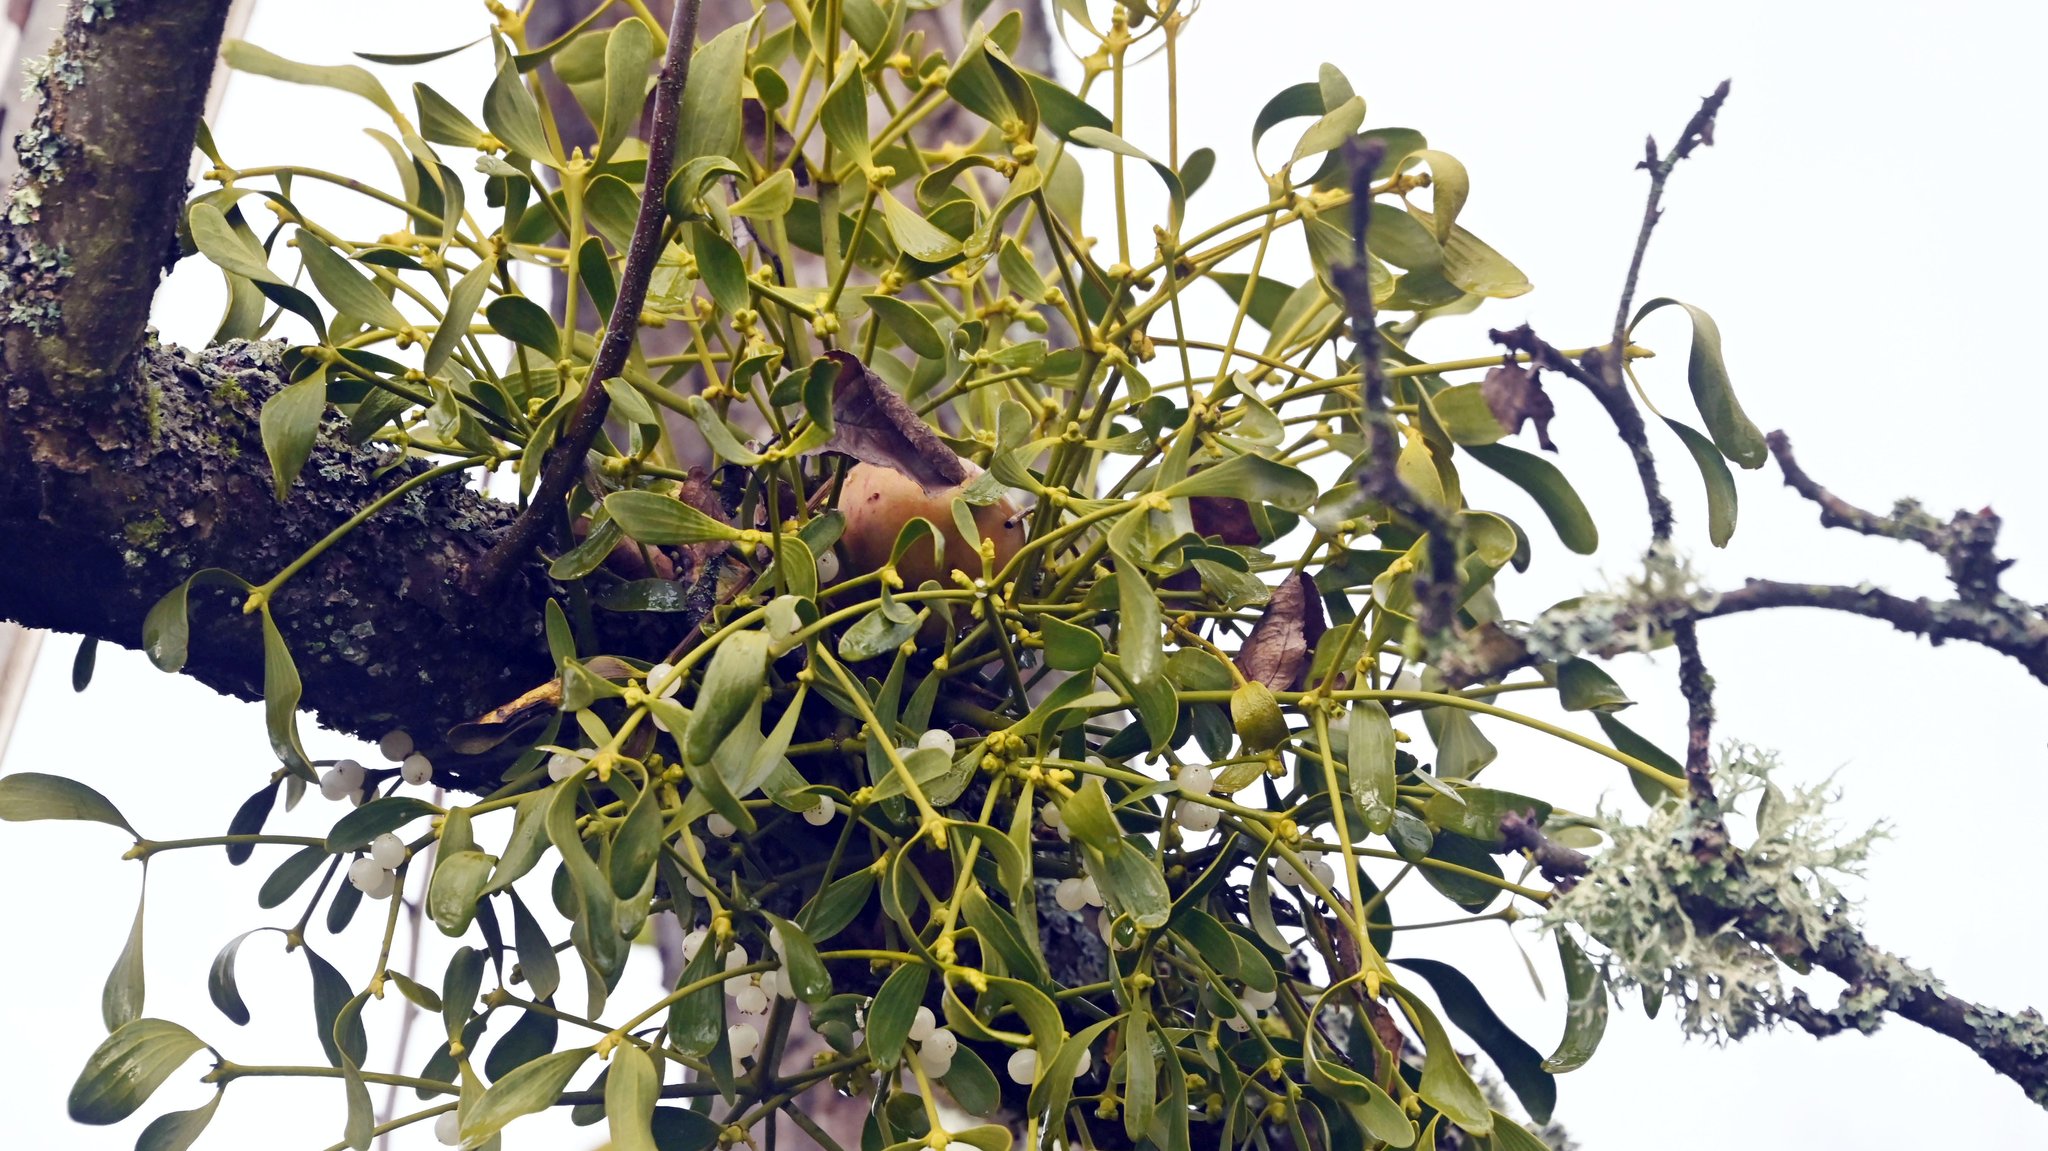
pixel 365 872
pixel 1068 894
pixel 656 676
pixel 1257 1000
pixel 333 786
pixel 750 1001
pixel 394 746
pixel 771 984
pixel 1197 816
pixel 828 566
pixel 1090 893
pixel 1087 1061
pixel 382 885
pixel 941 1042
pixel 743 1039
pixel 719 825
pixel 922 1024
pixel 822 812
pixel 447 1128
pixel 417 769
pixel 1284 872
pixel 1023 1066
pixel 563 764
pixel 693 942
pixel 936 1061
pixel 937 740
pixel 1324 873
pixel 351 771
pixel 734 960
pixel 1050 814
pixel 1197 780
pixel 388 850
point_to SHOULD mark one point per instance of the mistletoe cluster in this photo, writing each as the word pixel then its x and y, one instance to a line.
pixel 969 662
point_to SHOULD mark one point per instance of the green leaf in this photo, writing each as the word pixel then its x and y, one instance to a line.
pixel 1062 111
pixel 1252 478
pixel 914 235
pixel 521 320
pixel 460 983
pixel 1054 1087
pixel 720 267
pixel 1446 1085
pixel 290 876
pixel 1721 497
pixel 808 979
pixel 1331 129
pixel 178 1130
pixel 627 53
pixel 1583 685
pixel 975 1089
pixel 1132 885
pixel 341 1031
pixel 631 1089
pixel 1509 1135
pixel 1626 741
pixel 243 56
pixel 1551 491
pixel 536 952
pixel 463 301
pixel 1370 750
pixel 354 831
pixel 27 796
pixel 1141 1064
pixel 1585 1016
pixel 347 289
pixel 290 421
pixel 1374 1110
pixel 844 115
pixel 530 1088
pixel 1000 934
pixel 513 117
pixel 531 1037
pixel 442 122
pixel 768 200
pixel 1477 811
pixel 732 684
pixel 1140 621
pixel 1520 1064
pixel 662 520
pixel 1707 375
pixel 837 905
pixel 1068 647
pixel 1108 141
pixel 710 115
pixel 909 325
pixel 588 880
pixel 890 1015
pixel 121 998
pixel 458 881
pixel 696 1023
pixel 1462 750
pixel 637 844
pixel 220 981
pixel 1450 186
pixel 128 1067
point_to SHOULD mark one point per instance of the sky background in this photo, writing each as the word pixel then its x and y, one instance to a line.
pixel 1864 232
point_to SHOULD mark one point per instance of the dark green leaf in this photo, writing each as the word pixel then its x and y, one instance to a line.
pixel 513 117
pixel 178 1130
pixel 891 1013
pixel 127 1068
pixel 290 876
pixel 1721 496
pixel 354 831
pixel 526 1090
pixel 1446 1085
pixel 458 881
pixel 1626 741
pixel 1707 375
pixel 220 981
pixel 340 1034
pixel 121 998
pixel 521 320
pixel 1520 1064
pixel 1585 1017
pixel 531 1036
pixel 1583 685
pixel 808 979
pixel 26 796
pixel 1548 487
pixel 289 422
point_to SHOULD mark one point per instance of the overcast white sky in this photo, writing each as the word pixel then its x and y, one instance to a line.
pixel 1864 230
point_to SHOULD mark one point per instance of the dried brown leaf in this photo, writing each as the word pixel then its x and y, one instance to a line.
pixel 1514 394
pixel 1283 642
pixel 874 425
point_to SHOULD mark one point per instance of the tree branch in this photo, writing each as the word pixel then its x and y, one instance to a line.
pixel 565 460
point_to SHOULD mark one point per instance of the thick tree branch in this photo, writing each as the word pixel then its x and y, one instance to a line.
pixel 102 182
pixel 566 459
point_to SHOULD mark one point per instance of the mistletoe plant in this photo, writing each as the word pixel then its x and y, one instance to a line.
pixel 1032 696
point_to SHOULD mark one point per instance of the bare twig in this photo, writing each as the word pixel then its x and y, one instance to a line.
pixel 1436 590
pixel 1560 865
pixel 1967 543
pixel 1699 132
pixel 565 461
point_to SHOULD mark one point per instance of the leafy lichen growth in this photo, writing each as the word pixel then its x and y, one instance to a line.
pixel 1682 920
pixel 1624 617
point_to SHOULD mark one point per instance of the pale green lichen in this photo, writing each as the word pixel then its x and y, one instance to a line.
pixel 1665 910
pixel 1624 617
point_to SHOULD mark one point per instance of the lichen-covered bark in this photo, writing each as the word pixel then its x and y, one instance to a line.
pixel 117 503
pixel 102 184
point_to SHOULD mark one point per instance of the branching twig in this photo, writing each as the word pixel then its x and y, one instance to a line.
pixel 1967 542
pixel 565 460
pixel 1436 590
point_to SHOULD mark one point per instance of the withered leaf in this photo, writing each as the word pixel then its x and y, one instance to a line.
pixel 1283 642
pixel 1224 516
pixel 874 425
pixel 1514 394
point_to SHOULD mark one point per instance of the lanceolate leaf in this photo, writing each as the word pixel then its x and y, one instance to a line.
pixel 1720 482
pixel 1712 392
pixel 1446 1085
pixel 526 1090
pixel 1520 1064
pixel 127 1069
pixel 1585 1018
pixel 29 795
